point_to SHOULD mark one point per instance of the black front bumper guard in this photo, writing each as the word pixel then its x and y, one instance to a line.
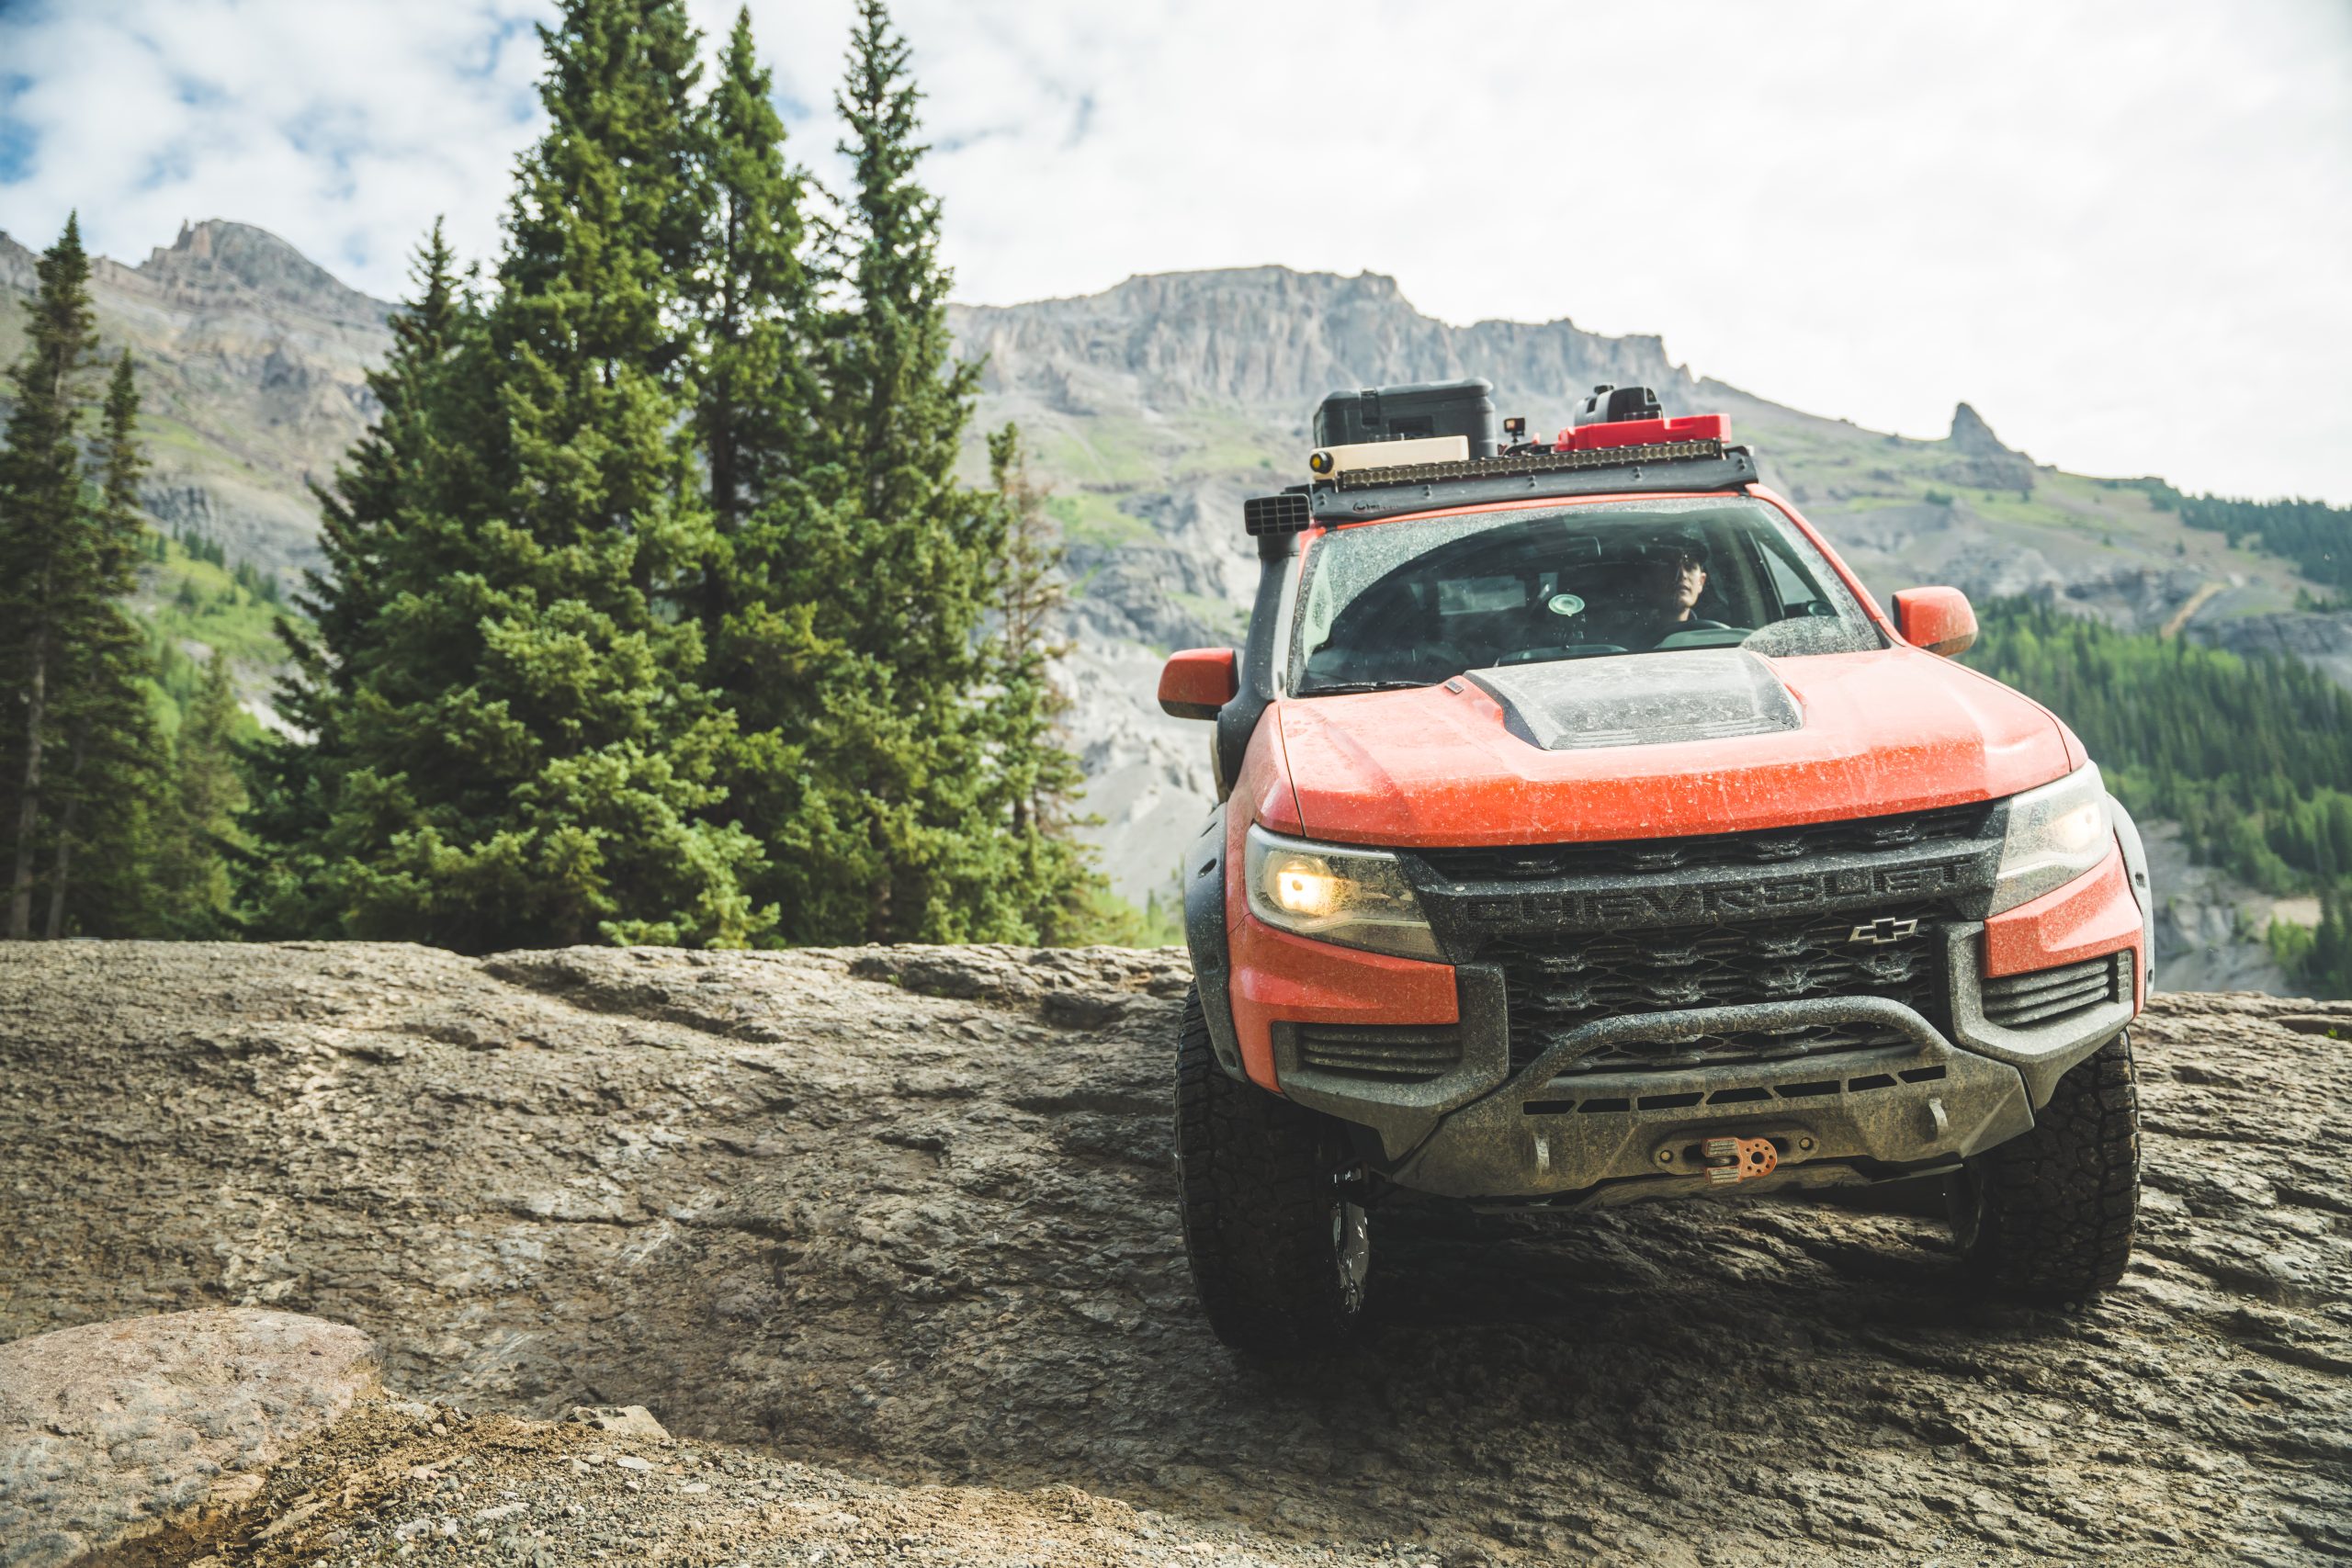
pixel 1481 1130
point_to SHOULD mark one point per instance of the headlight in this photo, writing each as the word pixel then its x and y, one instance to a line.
pixel 2056 834
pixel 1354 897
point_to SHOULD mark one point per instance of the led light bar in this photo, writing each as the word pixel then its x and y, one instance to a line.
pixel 1528 463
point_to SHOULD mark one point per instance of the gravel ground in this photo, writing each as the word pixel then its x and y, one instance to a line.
pixel 896 1226
pixel 405 1480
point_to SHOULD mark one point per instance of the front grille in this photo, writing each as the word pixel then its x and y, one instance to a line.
pixel 1771 847
pixel 1556 983
pixel 2015 1001
pixel 1379 1051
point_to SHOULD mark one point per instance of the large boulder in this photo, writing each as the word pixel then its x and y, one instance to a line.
pixel 115 1430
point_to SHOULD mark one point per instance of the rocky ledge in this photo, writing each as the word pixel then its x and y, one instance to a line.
pixel 886 1239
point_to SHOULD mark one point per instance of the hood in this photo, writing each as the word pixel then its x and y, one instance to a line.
pixel 1640 699
pixel 1720 741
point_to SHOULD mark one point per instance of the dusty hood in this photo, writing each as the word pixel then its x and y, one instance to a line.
pixel 1721 740
pixel 1640 699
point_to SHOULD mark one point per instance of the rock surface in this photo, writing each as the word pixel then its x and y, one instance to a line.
pixel 904 1217
pixel 112 1431
pixel 2321 638
pixel 2210 926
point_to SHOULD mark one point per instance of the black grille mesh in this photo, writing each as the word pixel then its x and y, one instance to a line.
pixel 1555 984
pixel 1773 847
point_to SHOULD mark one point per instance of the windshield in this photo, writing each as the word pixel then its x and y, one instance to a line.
pixel 1410 603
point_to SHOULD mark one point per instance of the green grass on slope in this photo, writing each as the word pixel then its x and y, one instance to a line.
pixel 1089 517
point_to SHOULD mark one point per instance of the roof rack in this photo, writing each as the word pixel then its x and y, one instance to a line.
pixel 1367 495
pixel 1449 456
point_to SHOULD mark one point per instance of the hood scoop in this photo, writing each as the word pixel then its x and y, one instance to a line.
pixel 1640 699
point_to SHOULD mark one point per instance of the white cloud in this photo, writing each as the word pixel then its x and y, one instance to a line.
pixel 344 126
pixel 2120 231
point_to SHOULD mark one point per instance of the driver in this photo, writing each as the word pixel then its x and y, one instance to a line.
pixel 1666 574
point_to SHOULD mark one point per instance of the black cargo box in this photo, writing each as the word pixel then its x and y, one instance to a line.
pixel 1401 413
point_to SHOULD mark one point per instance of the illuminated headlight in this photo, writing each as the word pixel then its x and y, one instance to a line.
pixel 2056 834
pixel 1354 897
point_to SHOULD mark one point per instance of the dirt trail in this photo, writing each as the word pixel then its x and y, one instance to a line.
pixel 906 1215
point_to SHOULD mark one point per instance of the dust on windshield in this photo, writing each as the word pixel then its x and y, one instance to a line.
pixel 1409 604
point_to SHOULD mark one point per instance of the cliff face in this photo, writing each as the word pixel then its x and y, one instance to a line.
pixel 910 1213
pixel 1259 336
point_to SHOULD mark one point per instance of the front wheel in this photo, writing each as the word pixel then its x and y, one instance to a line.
pixel 2049 1216
pixel 1278 1243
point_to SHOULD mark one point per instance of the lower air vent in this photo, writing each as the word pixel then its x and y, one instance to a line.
pixel 2044 995
pixel 1381 1051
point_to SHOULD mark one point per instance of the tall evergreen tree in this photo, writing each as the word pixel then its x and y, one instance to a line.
pixel 756 318
pixel 754 298
pixel 199 823
pixel 50 557
pixel 1036 775
pixel 112 757
pixel 890 837
pixel 422 459
pixel 523 755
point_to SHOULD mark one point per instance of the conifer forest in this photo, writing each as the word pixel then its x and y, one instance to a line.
pixel 655 609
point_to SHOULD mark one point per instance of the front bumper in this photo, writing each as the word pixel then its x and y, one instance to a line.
pixel 1481 1130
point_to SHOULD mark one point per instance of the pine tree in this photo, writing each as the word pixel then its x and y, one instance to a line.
pixel 423 458
pixel 758 600
pixel 890 835
pixel 1036 775
pixel 50 555
pixel 112 761
pixel 754 298
pixel 199 816
pixel 518 750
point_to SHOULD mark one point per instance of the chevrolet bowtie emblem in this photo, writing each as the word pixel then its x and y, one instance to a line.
pixel 1885 929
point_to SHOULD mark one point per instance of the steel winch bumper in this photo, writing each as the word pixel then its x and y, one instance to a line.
pixel 1481 1130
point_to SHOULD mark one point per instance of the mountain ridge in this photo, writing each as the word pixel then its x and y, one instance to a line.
pixel 1152 408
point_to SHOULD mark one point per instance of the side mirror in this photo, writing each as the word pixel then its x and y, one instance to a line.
pixel 1936 619
pixel 1197 682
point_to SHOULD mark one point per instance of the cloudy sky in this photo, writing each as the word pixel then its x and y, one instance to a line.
pixel 2123 231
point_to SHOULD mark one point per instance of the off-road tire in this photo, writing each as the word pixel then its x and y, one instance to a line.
pixel 1279 1250
pixel 2049 1216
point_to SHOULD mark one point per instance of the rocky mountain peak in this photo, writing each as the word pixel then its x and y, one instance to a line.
pixel 1972 438
pixel 1980 461
pixel 215 254
pixel 1269 336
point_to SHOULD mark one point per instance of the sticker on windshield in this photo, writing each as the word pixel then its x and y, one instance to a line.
pixel 1565 605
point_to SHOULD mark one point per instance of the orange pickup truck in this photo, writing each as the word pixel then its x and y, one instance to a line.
pixel 1586 834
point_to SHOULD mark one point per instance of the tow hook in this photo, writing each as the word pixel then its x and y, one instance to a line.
pixel 1731 1160
pixel 1354 1182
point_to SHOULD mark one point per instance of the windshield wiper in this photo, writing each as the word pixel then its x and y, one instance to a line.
pixel 1343 688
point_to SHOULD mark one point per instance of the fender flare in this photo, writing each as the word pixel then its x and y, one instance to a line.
pixel 2135 870
pixel 1204 936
